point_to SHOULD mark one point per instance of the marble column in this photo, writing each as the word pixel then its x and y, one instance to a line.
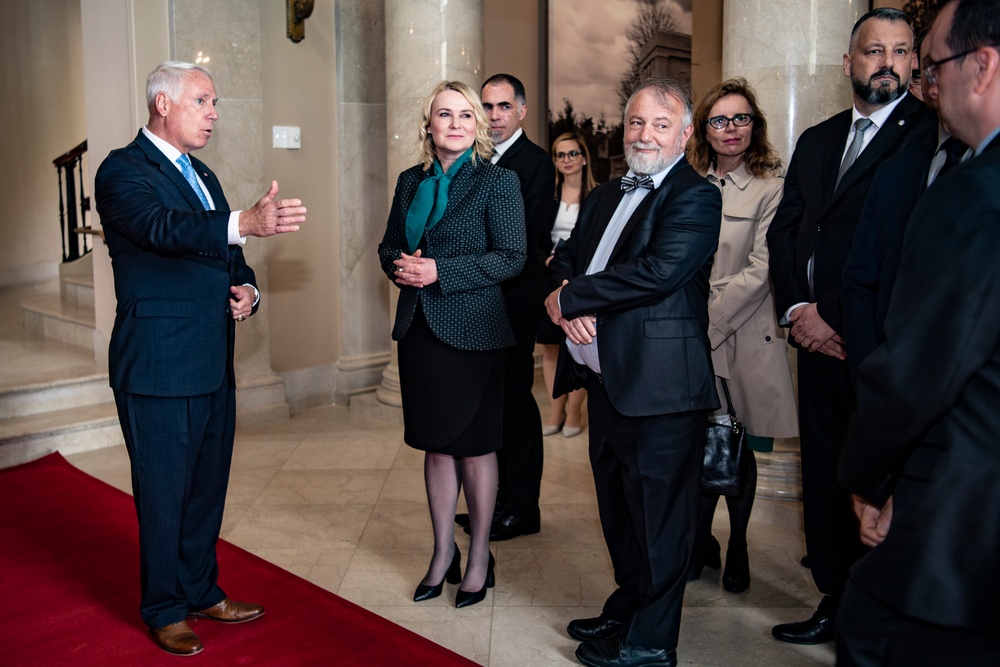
pixel 791 52
pixel 228 34
pixel 362 204
pixel 426 41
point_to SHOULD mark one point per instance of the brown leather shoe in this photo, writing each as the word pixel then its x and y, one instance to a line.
pixel 230 611
pixel 177 638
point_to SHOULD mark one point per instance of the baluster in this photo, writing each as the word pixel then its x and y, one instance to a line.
pixel 62 214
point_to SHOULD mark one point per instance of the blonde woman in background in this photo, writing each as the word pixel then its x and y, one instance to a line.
pixel 573 181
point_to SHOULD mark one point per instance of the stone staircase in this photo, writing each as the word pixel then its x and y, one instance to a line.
pixel 53 397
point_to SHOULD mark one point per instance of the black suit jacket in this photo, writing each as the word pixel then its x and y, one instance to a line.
pixel 927 409
pixel 525 292
pixel 815 218
pixel 478 242
pixel 870 269
pixel 651 301
pixel 173 267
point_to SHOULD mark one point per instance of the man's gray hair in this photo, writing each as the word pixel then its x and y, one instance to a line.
pixel 664 88
pixel 169 77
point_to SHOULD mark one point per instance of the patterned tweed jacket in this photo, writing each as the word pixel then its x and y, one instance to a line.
pixel 479 242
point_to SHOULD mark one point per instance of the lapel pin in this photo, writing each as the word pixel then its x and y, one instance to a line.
pixel 902 122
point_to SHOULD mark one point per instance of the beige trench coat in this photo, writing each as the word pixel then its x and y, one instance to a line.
pixel 748 348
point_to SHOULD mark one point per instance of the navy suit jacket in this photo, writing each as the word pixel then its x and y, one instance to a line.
pixel 651 301
pixel 870 269
pixel 927 408
pixel 814 218
pixel 173 267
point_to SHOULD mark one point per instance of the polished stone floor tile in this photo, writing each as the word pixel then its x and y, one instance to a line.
pixel 339 500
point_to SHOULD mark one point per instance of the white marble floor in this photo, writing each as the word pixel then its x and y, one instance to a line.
pixel 339 500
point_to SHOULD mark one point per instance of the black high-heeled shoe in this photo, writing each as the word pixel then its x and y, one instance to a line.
pixel 452 576
pixel 736 577
pixel 468 598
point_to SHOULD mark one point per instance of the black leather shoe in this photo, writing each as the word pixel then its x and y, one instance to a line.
pixel 616 652
pixel 816 630
pixel 510 526
pixel 469 598
pixel 452 576
pixel 592 629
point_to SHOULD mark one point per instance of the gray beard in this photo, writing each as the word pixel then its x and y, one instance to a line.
pixel 642 164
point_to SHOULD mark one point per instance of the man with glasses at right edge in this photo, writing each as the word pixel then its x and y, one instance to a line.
pixel 809 239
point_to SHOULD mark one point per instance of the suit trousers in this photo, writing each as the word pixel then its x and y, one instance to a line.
pixel 870 634
pixel 521 457
pixel 826 404
pixel 647 472
pixel 180 451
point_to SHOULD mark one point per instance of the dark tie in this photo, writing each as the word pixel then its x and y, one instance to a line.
pixel 188 170
pixel 630 183
pixel 860 125
pixel 954 150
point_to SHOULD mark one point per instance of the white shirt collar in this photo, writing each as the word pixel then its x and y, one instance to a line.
pixel 881 115
pixel 165 147
pixel 502 148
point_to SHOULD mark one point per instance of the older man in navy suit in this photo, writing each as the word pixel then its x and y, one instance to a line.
pixel 182 284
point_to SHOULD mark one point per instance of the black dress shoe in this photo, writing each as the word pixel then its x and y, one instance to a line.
pixel 469 598
pixel 592 629
pixel 736 577
pixel 452 576
pixel 510 526
pixel 816 630
pixel 616 652
pixel 711 558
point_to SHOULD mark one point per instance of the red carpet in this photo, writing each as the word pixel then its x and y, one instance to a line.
pixel 69 591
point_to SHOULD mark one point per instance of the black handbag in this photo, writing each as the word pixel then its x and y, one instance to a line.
pixel 724 468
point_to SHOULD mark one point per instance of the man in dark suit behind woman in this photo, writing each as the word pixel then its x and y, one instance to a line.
pixel 927 593
pixel 809 239
pixel 521 457
pixel 182 284
pixel 634 308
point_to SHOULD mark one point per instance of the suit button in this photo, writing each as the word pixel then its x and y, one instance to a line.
pixel 819 228
pixel 767 338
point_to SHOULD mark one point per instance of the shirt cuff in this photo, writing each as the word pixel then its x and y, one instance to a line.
pixel 784 321
pixel 234 230
pixel 256 294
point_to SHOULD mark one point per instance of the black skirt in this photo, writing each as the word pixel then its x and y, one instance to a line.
pixel 452 399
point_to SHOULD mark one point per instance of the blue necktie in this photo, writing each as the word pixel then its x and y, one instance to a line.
pixel 188 170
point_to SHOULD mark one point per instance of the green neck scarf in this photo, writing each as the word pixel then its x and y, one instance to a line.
pixel 430 201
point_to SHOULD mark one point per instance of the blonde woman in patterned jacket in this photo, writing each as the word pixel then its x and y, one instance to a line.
pixel 455 231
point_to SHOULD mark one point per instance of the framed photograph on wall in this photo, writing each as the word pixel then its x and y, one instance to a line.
pixel 598 51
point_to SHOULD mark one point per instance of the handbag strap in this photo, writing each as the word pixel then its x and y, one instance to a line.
pixel 729 402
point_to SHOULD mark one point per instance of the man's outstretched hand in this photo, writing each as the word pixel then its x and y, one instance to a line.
pixel 269 217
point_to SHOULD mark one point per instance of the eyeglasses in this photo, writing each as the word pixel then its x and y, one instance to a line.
pixel 572 155
pixel 931 68
pixel 739 120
